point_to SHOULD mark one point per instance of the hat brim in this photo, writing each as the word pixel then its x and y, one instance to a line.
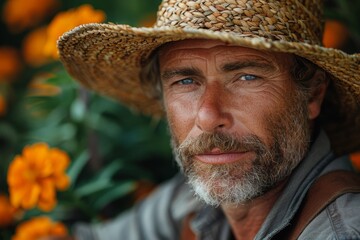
pixel 107 58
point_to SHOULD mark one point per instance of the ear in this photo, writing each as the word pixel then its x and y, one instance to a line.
pixel 317 92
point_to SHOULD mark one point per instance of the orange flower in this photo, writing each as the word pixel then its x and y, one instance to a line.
pixel 22 14
pixel 34 176
pixel 33 46
pixel 355 159
pixel 7 212
pixel 335 34
pixel 10 63
pixel 65 21
pixel 2 106
pixel 39 227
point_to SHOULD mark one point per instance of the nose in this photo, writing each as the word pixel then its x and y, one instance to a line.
pixel 213 112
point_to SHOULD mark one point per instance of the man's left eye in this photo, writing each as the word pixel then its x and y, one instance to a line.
pixel 248 77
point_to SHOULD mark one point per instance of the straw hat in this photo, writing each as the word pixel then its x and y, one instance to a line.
pixel 108 58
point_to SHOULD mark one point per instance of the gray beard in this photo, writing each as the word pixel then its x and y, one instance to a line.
pixel 240 182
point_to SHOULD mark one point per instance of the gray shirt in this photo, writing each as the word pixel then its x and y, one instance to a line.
pixel 161 215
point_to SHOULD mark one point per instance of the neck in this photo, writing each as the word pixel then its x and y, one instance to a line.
pixel 246 219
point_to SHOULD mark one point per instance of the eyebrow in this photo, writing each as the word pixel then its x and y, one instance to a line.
pixel 185 71
pixel 228 67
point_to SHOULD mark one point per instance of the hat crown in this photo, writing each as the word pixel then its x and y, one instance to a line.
pixel 289 20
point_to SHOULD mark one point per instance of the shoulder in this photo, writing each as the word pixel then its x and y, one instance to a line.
pixel 339 220
pixel 157 217
pixel 175 197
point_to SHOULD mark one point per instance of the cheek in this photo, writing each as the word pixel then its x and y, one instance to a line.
pixel 180 118
pixel 257 108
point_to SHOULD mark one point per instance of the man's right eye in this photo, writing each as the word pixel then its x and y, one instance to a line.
pixel 185 81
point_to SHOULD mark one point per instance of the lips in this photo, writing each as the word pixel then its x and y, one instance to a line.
pixel 218 157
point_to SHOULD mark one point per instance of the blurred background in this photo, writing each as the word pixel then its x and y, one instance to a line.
pixel 116 156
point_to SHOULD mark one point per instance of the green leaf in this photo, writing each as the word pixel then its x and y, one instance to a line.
pixel 92 187
pixel 77 166
pixel 31 213
pixel 8 133
pixel 78 109
pixel 63 79
pixel 122 189
pixel 103 125
pixel 108 171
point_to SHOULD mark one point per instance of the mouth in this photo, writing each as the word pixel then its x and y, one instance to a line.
pixel 216 156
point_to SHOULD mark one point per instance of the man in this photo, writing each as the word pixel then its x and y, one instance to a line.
pixel 251 99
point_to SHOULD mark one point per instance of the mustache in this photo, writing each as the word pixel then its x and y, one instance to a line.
pixel 226 142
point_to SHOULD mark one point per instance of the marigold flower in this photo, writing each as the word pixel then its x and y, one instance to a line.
pixel 34 176
pixel 8 213
pixel 335 34
pixel 22 14
pixel 65 21
pixel 10 63
pixel 39 227
pixel 33 46
pixel 355 159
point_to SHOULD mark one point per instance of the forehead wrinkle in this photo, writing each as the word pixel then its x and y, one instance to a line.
pixel 237 65
pixel 181 54
pixel 179 58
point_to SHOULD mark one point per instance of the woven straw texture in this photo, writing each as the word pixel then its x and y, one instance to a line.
pixel 108 58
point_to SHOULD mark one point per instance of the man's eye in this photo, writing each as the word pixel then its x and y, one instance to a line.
pixel 248 77
pixel 186 81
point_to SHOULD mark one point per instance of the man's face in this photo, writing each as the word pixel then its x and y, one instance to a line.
pixel 239 125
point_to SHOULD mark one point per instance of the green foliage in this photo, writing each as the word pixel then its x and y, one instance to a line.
pixel 111 148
